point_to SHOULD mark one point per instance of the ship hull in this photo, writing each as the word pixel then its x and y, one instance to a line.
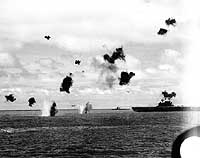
pixel 165 109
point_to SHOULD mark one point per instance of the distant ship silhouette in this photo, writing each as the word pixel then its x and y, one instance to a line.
pixel 119 108
pixel 165 105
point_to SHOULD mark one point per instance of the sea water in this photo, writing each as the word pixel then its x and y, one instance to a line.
pixel 101 133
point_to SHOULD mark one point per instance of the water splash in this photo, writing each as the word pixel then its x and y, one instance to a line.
pixel 81 109
pixel 46 108
pixel 85 108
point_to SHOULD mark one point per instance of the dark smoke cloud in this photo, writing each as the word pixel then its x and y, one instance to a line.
pixel 170 22
pixel 10 98
pixel 77 62
pixel 125 78
pixel 66 84
pixel 167 95
pixel 118 54
pixel 162 31
pixel 31 101
pixel 47 37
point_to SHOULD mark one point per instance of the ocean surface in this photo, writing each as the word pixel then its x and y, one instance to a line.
pixel 101 133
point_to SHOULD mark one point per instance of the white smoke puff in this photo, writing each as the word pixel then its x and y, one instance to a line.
pixel 46 108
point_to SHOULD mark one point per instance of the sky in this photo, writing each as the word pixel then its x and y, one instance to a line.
pixel 30 65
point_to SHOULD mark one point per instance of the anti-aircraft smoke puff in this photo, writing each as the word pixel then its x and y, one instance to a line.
pixel 66 84
pixel 118 54
pixel 170 22
pixel 10 98
pixel 31 101
pixel 125 78
pixel 168 95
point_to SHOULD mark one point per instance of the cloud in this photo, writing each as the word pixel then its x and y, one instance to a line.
pixel 131 63
pixel 44 66
pixel 79 29
pixel 85 44
pixel 172 53
pixel 151 70
pixel 8 60
pixel 166 67
pixel 171 65
pixel 11 90
pixel 98 91
pixel 11 65
pixel 172 57
pixel 49 63
pixel 86 26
